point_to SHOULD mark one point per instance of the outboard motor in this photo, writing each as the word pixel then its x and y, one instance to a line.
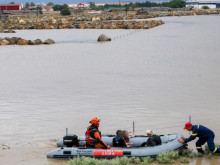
pixel 71 140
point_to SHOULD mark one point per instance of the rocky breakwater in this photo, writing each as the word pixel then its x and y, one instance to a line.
pixel 118 24
pixel 105 20
pixel 146 13
pixel 21 41
pixel 71 22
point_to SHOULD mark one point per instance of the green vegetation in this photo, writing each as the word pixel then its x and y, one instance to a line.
pixel 27 5
pixel 146 160
pixel 177 4
pixel 167 157
pixel 184 160
pixel 38 8
pixel 172 4
pixel 12 3
pixel 120 161
pixel 65 11
pixel 163 158
pixel 128 6
pixel 63 8
pixel 50 4
pixel 188 153
pixel 32 4
pixel 116 161
pixel 134 160
pixel 60 7
pixel 205 7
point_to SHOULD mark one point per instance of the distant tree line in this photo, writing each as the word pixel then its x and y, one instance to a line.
pixel 27 4
pixel 171 4
pixel 64 9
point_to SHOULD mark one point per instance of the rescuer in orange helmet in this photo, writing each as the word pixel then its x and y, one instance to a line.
pixel 93 135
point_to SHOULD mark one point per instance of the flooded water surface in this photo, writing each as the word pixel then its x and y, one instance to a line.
pixel 155 77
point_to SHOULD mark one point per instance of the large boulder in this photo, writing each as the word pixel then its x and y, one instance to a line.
pixel 37 42
pixel 54 21
pixel 10 40
pixel 49 41
pixel 15 39
pixel 127 26
pixel 23 22
pixel 4 42
pixel 22 42
pixel 146 26
pixel 103 37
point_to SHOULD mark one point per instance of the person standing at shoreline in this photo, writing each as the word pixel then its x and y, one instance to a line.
pixel 204 134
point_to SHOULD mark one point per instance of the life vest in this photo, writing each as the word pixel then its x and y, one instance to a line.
pixel 89 135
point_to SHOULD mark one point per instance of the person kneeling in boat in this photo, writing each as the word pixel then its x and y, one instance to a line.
pixel 153 140
pixel 204 134
pixel 119 140
pixel 93 135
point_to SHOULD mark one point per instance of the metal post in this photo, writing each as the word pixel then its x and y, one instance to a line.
pixel 190 122
pixel 133 128
pixel 66 131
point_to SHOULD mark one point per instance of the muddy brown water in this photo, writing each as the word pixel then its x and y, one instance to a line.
pixel 155 77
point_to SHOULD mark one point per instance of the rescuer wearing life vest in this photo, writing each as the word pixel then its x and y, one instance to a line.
pixel 204 134
pixel 93 135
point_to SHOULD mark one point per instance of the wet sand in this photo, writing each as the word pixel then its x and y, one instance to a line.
pixel 156 78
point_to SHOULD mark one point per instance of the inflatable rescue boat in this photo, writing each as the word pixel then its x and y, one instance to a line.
pixel 66 151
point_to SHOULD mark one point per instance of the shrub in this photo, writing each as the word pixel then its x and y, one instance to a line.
pixel 167 157
pixel 147 160
pixel 177 4
pixel 188 153
pixel 134 160
pixel 65 11
pixel 205 7
pixel 184 160
pixel 120 161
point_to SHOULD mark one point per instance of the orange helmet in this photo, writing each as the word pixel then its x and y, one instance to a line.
pixel 95 120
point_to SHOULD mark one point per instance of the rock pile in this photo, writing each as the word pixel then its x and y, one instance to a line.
pixel 79 23
pixel 7 31
pixel 105 20
pixel 21 41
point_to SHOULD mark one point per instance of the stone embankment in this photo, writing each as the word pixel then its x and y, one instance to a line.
pixel 75 23
pixel 21 41
pixel 105 20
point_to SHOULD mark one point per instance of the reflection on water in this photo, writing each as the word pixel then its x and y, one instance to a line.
pixel 155 77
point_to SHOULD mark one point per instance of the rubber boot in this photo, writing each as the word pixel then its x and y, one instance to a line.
pixel 200 151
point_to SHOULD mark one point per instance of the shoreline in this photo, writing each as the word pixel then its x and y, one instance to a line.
pixel 35 154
